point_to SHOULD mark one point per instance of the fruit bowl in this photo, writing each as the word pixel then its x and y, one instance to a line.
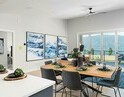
pixel 2 69
pixel 16 75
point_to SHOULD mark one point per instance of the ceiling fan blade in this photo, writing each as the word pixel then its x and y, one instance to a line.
pixel 102 12
pixel 93 13
pixel 89 14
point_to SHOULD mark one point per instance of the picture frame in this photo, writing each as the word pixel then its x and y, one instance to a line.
pixel 62 46
pixel 1 46
pixel 50 46
pixel 34 46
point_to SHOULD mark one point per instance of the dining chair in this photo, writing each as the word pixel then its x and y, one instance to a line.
pixel 65 58
pixel 72 81
pixel 111 83
pixel 90 78
pixel 57 73
pixel 48 62
pixel 50 74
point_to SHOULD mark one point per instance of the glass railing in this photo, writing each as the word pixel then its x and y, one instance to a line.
pixel 108 57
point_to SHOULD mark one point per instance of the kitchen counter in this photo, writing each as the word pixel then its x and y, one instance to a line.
pixel 31 86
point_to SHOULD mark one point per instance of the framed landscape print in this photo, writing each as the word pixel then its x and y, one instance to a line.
pixel 1 45
pixel 62 46
pixel 34 46
pixel 50 46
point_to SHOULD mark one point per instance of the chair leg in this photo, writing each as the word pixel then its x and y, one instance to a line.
pixel 84 93
pixel 87 91
pixel 62 93
pixel 80 94
pixel 119 91
pixel 70 92
pixel 101 88
pixel 64 90
pixel 115 92
pixel 92 81
pixel 98 90
pixel 55 90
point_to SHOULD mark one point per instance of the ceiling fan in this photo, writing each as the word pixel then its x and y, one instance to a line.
pixel 92 12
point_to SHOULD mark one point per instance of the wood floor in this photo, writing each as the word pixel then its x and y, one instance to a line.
pixel 107 91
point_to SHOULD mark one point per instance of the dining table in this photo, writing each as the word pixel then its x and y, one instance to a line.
pixel 90 71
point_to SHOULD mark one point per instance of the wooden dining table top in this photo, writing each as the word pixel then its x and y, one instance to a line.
pixel 91 71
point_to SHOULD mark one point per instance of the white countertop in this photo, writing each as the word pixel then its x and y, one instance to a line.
pixel 24 87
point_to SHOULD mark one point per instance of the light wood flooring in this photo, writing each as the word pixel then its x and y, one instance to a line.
pixel 107 91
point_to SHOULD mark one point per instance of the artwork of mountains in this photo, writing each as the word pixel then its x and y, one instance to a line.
pixel 62 46
pixel 35 46
pixel 50 46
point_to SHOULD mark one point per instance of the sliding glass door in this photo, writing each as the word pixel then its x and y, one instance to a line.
pixel 109 47
pixel 86 43
pixel 96 46
pixel 121 48
pixel 105 46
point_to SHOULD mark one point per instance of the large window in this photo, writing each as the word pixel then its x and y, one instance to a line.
pixel 96 46
pixel 121 48
pixel 121 42
pixel 105 46
pixel 109 46
pixel 86 43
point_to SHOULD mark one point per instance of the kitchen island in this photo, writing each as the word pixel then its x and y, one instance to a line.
pixel 31 86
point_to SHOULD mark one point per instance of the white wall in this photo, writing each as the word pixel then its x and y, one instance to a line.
pixel 19 24
pixel 3 57
pixel 111 21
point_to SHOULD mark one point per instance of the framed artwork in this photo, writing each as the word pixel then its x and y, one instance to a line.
pixel 1 45
pixel 34 46
pixel 62 46
pixel 50 46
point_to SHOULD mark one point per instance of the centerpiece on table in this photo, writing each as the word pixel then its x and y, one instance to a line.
pixel 16 75
pixel 2 69
pixel 104 68
pixel 76 57
pixel 81 68
pixel 58 65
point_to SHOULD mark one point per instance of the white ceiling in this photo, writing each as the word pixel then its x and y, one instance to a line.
pixel 64 9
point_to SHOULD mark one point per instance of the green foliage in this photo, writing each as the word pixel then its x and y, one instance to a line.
pixel 89 52
pixel 85 51
pixel 92 51
pixel 2 68
pixel 18 72
pixel 97 58
pixel 75 53
pixel 110 51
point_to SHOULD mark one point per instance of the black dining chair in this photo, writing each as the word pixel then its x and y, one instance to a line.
pixel 72 81
pixel 57 73
pixel 111 83
pixel 50 74
pixel 48 62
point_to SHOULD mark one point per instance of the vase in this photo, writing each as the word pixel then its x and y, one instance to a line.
pixel 79 61
pixel 74 62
